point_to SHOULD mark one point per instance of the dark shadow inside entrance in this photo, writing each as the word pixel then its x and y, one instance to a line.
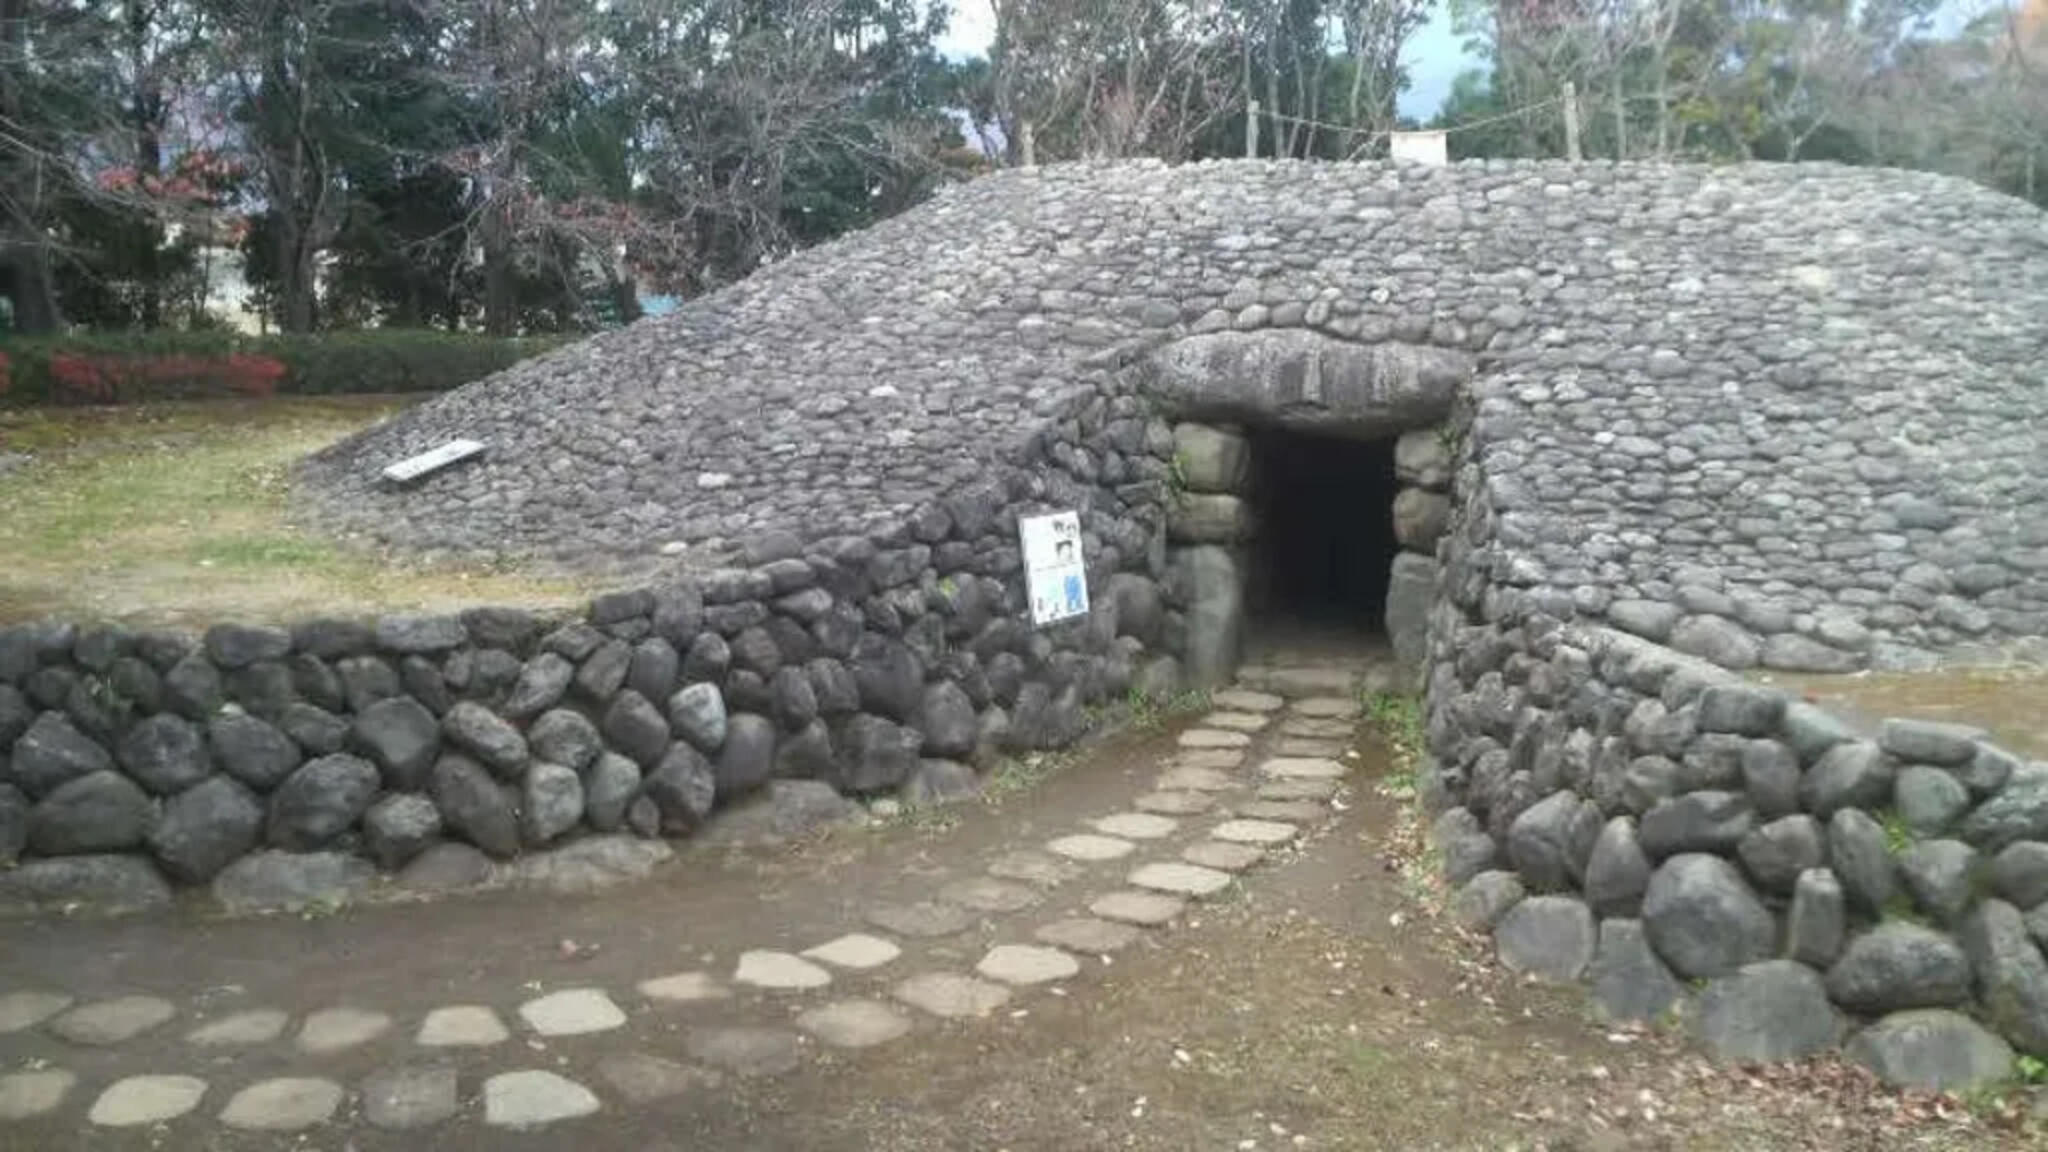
pixel 1324 543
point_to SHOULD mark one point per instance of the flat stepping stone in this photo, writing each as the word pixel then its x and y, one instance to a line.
pixel 779 971
pixel 117 1021
pixel 684 988
pixel 1093 849
pixel 1087 934
pixel 334 1029
pixel 140 1100
pixel 20 1011
pixel 462 1026
pixel 27 1094
pixel 256 1026
pixel 1145 909
pixel 1180 879
pixel 1175 803
pixel 1303 746
pixel 746 1051
pixel 855 1024
pixel 923 920
pixel 534 1097
pixel 1033 867
pixel 1326 707
pixel 1027 964
pixel 856 951
pixel 286 1104
pixel 398 1099
pixel 1222 856
pixel 1246 700
pixel 951 995
pixel 988 894
pixel 1262 833
pixel 1303 768
pixel 1185 779
pixel 1136 826
pixel 1295 811
pixel 1236 721
pixel 572 1012
pixel 1213 738
pixel 1297 790
pixel 1220 759
pixel 1316 729
pixel 639 1078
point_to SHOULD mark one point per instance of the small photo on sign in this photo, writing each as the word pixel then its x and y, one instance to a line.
pixel 1055 571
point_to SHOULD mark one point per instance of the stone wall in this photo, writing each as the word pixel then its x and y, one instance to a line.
pixel 880 664
pixel 1623 813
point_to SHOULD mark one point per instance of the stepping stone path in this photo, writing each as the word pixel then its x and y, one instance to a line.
pixel 1027 964
pixel 1145 909
pixel 951 995
pixel 142 1100
pixel 256 1026
pixel 283 1105
pixel 643 1079
pixel 684 988
pixel 20 1011
pixel 987 894
pixel 1296 811
pixel 1236 721
pixel 334 1029
pixel 405 1098
pixel 1219 759
pixel 1303 768
pixel 26 1094
pixel 924 920
pixel 1093 849
pixel 779 972
pixel 462 1026
pixel 1175 803
pixel 1196 780
pixel 1297 790
pixel 1033 867
pixel 1180 879
pixel 746 1051
pixel 532 1098
pixel 1213 738
pixel 116 1021
pixel 572 1012
pixel 1317 729
pixel 856 951
pixel 855 1023
pixel 1246 700
pixel 1300 772
pixel 1221 855
pixel 1087 934
pixel 1257 832
pixel 1136 826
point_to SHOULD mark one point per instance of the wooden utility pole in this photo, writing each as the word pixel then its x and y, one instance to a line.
pixel 1570 99
pixel 1251 130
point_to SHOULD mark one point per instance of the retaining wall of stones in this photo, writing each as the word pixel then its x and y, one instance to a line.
pixel 891 663
pixel 1626 814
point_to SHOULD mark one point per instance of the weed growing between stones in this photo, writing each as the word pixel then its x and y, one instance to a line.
pixel 1148 712
pixel 1397 719
pixel 1898 835
pixel 1016 774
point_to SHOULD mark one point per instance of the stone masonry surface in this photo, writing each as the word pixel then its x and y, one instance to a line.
pixel 1778 415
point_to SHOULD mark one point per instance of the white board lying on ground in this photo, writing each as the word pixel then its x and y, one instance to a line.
pixel 413 469
pixel 1054 571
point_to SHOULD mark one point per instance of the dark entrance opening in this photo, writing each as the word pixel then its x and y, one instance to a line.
pixel 1324 542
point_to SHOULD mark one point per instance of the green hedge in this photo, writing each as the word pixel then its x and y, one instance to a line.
pixel 122 368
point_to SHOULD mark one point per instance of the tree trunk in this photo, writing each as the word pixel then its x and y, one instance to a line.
pixel 499 302
pixel 149 165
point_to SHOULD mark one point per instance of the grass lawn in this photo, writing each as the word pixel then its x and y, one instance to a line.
pixel 176 514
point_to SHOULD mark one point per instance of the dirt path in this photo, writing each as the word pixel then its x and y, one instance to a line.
pixel 1318 1003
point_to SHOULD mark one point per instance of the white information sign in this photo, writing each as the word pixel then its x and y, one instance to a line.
pixel 419 467
pixel 1053 568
